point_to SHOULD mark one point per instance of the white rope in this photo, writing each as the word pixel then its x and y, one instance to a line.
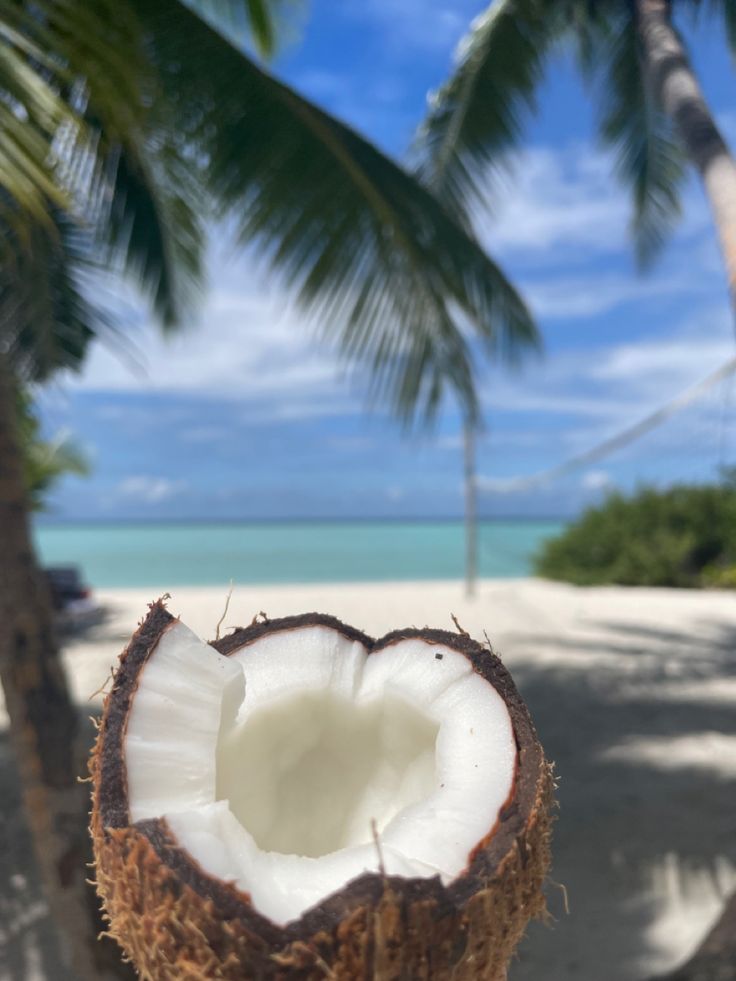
pixel 627 435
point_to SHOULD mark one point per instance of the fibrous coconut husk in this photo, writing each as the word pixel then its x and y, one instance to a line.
pixel 178 923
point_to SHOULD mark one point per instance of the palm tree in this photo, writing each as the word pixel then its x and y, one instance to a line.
pixel 125 126
pixel 652 111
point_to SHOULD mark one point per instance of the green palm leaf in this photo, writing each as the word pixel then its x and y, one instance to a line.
pixel 478 114
pixel 154 135
pixel 31 111
pixel 151 226
pixel 241 18
pixel 380 265
pixel 45 461
pixel 649 158
pixel 725 9
pixel 81 130
pixel 142 201
pixel 46 317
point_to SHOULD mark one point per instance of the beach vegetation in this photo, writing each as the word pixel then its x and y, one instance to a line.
pixel 684 536
pixel 127 129
pixel 652 115
pixel 46 460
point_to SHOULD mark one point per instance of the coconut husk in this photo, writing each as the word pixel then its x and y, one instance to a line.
pixel 178 923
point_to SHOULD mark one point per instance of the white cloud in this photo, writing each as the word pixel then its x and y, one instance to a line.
pixel 247 346
pixel 618 386
pixel 675 362
pixel 352 444
pixel 150 490
pixel 425 25
pixel 553 198
pixel 619 382
pixel 498 485
pixel 568 199
pixel 565 297
pixel 203 434
pixel 395 493
pixel 252 346
pixel 594 480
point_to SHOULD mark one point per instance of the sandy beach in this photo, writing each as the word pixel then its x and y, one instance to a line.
pixel 633 692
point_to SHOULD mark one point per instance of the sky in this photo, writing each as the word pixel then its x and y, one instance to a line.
pixel 245 415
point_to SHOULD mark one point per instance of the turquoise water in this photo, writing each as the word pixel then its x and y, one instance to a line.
pixel 212 554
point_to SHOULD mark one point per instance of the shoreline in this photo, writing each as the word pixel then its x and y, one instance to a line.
pixel 633 693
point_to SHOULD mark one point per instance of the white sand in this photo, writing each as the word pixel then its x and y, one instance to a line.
pixel 633 692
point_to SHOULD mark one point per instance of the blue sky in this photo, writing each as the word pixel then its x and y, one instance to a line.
pixel 245 415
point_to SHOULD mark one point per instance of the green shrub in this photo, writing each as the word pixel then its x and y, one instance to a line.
pixel 722 577
pixel 684 536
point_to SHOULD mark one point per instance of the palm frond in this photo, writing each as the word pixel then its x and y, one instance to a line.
pixel 100 43
pixel 31 111
pixel 83 130
pixel 649 158
pixel 151 224
pixel 45 461
pixel 128 164
pixel 383 269
pixel 242 18
pixel 478 115
pixel 56 58
pixel 46 317
pixel 725 9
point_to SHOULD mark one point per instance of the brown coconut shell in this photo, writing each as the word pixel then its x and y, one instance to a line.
pixel 178 923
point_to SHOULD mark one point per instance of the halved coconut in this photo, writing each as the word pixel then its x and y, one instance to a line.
pixel 298 800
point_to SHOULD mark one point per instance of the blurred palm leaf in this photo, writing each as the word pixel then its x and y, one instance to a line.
pixel 46 317
pixel 369 252
pixel 478 115
pixel 241 18
pixel 45 461
pixel 648 158
pixel 721 8
pixel 151 228
pixel 165 119
pixel 31 112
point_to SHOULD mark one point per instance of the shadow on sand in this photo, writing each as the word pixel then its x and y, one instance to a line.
pixel 28 948
pixel 633 826
pixel 629 830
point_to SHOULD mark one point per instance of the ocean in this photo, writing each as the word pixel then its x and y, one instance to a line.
pixel 287 552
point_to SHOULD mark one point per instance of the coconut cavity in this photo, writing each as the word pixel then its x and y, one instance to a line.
pixel 273 766
pixel 309 775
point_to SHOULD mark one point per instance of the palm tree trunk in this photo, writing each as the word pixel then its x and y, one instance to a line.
pixel 680 96
pixel 43 720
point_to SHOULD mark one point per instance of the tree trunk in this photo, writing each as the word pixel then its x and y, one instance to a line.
pixel 43 720
pixel 680 96
pixel 678 92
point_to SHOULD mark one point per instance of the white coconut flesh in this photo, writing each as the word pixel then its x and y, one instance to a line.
pixel 273 766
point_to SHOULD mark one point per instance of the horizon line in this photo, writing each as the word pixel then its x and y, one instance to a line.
pixel 46 521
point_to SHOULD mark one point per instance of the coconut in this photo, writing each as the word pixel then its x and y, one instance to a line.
pixel 299 800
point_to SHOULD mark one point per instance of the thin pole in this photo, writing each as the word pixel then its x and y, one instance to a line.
pixel 471 525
